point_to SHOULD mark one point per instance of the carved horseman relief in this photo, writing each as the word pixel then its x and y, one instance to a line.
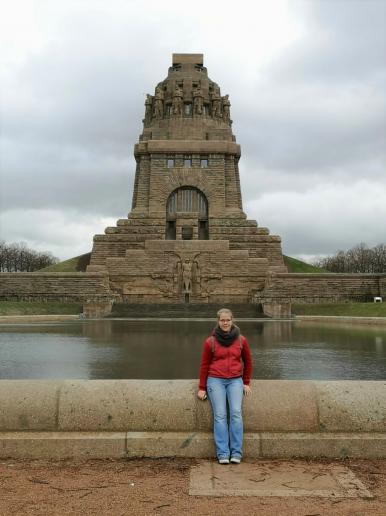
pixel 158 103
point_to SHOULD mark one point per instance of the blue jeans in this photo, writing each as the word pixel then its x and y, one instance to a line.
pixel 228 439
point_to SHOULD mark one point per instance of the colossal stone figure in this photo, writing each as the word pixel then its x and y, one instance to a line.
pixel 177 101
pixel 187 277
pixel 158 103
pixel 216 103
pixel 225 108
pixel 148 109
pixel 198 101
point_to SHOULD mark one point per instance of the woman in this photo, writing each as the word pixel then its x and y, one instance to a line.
pixel 225 374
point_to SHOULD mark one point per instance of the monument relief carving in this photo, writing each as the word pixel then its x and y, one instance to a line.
pixel 216 103
pixel 226 108
pixel 158 103
pixel 148 109
pixel 187 277
pixel 177 101
pixel 198 101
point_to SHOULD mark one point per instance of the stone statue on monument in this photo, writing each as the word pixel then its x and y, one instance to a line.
pixel 226 108
pixel 148 108
pixel 198 101
pixel 187 277
pixel 158 103
pixel 177 101
pixel 216 103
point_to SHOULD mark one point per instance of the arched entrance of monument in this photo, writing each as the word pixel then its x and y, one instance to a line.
pixel 187 215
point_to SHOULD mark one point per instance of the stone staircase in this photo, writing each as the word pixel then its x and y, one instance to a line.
pixel 186 310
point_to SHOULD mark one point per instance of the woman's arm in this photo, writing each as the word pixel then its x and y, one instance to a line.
pixel 247 359
pixel 206 359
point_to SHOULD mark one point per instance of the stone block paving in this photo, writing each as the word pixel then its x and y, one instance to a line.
pixel 275 479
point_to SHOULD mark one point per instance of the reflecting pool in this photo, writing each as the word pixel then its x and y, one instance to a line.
pixel 118 349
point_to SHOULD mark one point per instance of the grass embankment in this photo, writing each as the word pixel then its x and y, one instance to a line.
pixel 76 264
pixel 35 308
pixel 295 265
pixel 342 309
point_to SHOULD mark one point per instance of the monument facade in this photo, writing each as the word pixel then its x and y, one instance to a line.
pixel 187 238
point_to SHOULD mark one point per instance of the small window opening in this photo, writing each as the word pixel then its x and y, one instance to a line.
pixel 170 162
pixel 188 162
pixel 170 230
pixel 203 232
pixel 204 162
pixel 187 233
pixel 188 108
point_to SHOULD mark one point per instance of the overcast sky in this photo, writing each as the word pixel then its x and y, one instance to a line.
pixel 307 84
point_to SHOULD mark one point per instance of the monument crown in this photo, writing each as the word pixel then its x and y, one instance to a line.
pixel 187 105
pixel 197 59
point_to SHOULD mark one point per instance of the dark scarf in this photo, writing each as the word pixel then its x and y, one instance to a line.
pixel 226 338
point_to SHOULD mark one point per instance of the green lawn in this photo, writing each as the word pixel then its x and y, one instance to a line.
pixel 295 265
pixel 34 308
pixel 347 309
pixel 76 264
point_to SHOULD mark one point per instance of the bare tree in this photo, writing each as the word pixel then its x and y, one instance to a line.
pixel 17 257
pixel 359 259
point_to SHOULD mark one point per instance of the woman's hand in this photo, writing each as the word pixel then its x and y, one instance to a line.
pixel 247 390
pixel 201 395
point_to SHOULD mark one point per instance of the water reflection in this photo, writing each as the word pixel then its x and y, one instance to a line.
pixel 171 349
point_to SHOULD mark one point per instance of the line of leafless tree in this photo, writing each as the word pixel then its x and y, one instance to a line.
pixel 17 257
pixel 359 259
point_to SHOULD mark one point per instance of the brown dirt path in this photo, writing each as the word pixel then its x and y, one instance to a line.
pixel 150 487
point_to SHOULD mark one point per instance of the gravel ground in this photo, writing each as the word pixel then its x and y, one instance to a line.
pixel 160 486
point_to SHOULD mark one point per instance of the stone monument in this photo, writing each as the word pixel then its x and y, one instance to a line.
pixel 187 239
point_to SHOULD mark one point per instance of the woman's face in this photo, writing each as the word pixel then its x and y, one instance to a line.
pixel 225 321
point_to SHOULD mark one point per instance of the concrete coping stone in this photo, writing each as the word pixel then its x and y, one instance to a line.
pixel 172 406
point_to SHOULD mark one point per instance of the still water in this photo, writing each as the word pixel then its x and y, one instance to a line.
pixel 117 349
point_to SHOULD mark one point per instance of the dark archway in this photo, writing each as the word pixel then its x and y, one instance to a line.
pixel 188 202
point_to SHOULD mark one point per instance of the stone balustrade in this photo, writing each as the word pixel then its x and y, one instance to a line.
pixel 156 418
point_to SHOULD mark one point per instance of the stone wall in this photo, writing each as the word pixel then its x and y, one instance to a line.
pixel 54 286
pixel 322 288
pixel 155 418
pixel 230 276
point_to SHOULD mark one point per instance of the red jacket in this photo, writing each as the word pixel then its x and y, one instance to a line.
pixel 225 362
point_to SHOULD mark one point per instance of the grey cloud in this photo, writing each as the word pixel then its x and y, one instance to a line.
pixel 314 116
pixel 346 41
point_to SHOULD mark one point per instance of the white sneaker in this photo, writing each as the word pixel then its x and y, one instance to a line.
pixel 235 460
pixel 223 461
